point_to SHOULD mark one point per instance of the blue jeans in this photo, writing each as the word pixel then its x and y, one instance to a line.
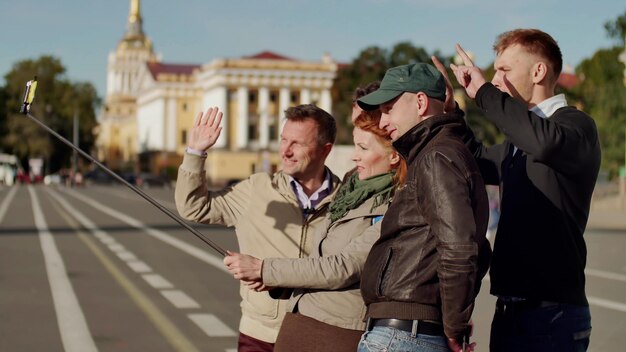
pixel 393 340
pixel 562 328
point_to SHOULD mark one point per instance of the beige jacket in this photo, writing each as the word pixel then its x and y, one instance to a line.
pixel 268 223
pixel 328 281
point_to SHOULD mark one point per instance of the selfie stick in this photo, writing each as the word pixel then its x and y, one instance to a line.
pixel 29 95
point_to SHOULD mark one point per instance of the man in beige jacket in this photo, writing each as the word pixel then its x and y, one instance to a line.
pixel 273 215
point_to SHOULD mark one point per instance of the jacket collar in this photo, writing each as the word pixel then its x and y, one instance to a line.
pixel 280 181
pixel 410 144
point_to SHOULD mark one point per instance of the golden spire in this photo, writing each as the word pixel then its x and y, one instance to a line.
pixel 134 26
pixel 134 15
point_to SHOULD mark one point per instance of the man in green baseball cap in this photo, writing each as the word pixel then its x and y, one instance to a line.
pixel 412 84
pixel 421 277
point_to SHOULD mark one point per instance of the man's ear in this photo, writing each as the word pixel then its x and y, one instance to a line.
pixel 540 71
pixel 326 148
pixel 422 103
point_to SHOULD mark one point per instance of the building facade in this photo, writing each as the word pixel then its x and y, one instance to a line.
pixel 150 105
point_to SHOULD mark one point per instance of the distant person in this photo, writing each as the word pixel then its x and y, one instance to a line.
pixel 422 276
pixel 546 169
pixel 273 215
pixel 327 311
pixel 359 92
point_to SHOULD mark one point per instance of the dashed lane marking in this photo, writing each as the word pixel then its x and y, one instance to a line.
pixel 180 299
pixel 171 333
pixel 173 241
pixel 211 325
pixel 75 334
pixel 6 202
pixel 157 281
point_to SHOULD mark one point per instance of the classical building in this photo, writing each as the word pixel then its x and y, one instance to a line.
pixel 117 137
pixel 151 105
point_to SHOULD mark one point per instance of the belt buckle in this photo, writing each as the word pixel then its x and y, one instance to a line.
pixel 414 328
pixel 369 324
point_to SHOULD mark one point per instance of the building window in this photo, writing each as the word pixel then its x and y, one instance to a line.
pixel 183 137
pixel 251 97
pixel 273 97
pixel 253 128
pixel 184 106
pixel 294 97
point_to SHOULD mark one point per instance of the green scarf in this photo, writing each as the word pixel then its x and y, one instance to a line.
pixel 354 192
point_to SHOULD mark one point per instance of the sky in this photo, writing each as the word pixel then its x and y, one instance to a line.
pixel 82 33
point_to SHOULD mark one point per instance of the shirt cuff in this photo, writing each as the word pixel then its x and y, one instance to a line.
pixel 195 152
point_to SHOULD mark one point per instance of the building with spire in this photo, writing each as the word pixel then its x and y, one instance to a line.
pixel 157 102
pixel 117 137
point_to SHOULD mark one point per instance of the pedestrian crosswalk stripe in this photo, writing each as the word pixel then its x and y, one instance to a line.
pixel 211 325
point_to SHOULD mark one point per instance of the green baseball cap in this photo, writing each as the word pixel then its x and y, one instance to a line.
pixel 413 78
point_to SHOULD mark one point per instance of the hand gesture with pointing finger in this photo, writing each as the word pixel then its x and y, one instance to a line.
pixel 468 75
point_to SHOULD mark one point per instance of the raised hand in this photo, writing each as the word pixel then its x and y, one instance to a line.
pixel 206 129
pixel 449 104
pixel 469 76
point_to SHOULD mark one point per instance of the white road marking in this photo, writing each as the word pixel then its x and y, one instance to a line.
pixel 606 274
pixel 73 327
pixel 171 333
pixel 605 303
pixel 212 326
pixel 173 241
pixel 180 299
pixel 5 203
pixel 103 236
pixel 157 281
pixel 116 247
pixel 139 266
pixel 125 195
pixel 208 323
pixel 126 256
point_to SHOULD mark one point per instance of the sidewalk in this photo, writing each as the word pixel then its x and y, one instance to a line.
pixel 608 213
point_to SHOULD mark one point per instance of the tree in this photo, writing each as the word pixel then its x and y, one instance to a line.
pixel 617 29
pixel 371 65
pixel 56 102
pixel 603 95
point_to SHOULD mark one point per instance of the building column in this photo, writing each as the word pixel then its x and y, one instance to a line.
pixel 264 131
pixel 170 125
pixel 242 119
pixel 284 100
pixel 305 96
pixel 217 96
pixel 326 101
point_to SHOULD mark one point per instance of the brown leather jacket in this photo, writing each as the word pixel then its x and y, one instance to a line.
pixel 432 253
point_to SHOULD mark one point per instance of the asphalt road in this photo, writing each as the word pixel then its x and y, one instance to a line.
pixel 100 269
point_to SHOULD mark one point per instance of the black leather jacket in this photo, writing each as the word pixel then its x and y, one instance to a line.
pixel 432 253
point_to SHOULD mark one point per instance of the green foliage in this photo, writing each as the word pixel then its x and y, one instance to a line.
pixel 603 95
pixel 56 102
pixel 371 64
pixel 617 29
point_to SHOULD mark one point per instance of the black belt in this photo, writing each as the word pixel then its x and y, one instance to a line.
pixel 412 326
pixel 522 306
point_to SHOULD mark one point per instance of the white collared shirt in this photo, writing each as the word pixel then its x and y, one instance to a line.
pixel 546 108
pixel 308 204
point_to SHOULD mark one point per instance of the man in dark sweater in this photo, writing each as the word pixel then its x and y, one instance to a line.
pixel 546 169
